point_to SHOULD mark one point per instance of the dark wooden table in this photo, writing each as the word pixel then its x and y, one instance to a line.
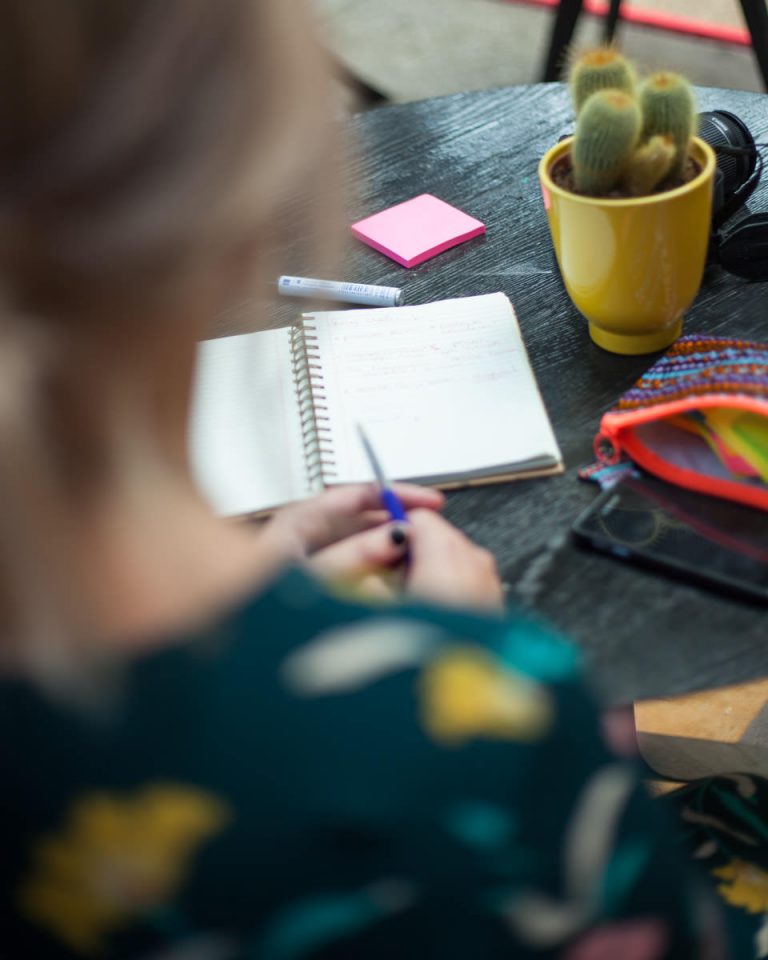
pixel 644 635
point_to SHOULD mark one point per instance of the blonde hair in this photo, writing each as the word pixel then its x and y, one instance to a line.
pixel 147 147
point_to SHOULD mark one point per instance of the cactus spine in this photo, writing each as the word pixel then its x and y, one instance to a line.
pixel 601 69
pixel 607 130
pixel 668 107
pixel 648 165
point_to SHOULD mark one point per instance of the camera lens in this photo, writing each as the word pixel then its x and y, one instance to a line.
pixel 723 129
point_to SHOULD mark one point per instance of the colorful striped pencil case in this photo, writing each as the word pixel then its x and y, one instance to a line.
pixel 698 418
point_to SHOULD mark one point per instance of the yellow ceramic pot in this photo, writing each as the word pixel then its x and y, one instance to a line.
pixel 633 266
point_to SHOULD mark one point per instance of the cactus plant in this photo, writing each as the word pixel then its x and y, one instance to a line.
pixel 608 152
pixel 648 165
pixel 607 130
pixel 601 69
pixel 668 107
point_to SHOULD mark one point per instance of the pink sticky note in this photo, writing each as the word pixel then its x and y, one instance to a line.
pixel 413 231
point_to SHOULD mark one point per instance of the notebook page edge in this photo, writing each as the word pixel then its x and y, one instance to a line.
pixel 230 445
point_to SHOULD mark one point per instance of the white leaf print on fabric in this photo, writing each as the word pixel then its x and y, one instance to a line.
pixel 351 656
pixel 544 921
pixel 761 938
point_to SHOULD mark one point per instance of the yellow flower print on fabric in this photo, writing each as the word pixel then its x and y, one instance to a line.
pixel 467 693
pixel 746 885
pixel 117 857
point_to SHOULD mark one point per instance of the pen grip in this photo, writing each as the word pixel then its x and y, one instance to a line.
pixel 391 503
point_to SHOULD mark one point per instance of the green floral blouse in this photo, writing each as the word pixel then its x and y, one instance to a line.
pixel 315 778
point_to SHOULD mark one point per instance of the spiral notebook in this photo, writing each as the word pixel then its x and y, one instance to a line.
pixel 444 390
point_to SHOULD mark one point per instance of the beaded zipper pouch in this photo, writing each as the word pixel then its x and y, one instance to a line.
pixel 697 418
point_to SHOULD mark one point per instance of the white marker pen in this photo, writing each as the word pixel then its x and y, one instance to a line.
pixel 365 293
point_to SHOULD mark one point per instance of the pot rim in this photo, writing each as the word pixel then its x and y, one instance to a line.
pixel 559 149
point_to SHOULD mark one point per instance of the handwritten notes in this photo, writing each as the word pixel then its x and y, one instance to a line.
pixel 444 390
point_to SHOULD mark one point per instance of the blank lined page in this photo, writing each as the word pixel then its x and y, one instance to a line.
pixel 245 436
pixel 445 391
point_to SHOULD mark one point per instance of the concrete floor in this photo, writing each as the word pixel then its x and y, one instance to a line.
pixel 411 49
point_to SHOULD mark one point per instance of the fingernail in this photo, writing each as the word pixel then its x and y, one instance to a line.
pixel 398 536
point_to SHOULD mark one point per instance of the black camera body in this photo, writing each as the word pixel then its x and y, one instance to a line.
pixel 736 153
pixel 744 249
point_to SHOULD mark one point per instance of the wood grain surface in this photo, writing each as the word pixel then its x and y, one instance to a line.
pixel 644 636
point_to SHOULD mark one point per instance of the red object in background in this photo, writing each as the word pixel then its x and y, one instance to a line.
pixel 661 21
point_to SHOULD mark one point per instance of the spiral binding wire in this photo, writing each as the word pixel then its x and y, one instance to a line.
pixel 313 410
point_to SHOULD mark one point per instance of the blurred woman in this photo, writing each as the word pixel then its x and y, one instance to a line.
pixel 204 753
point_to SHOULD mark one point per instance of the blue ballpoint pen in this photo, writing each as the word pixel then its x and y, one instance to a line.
pixel 389 499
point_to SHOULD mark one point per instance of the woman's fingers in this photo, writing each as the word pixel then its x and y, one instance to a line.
pixel 355 557
pixel 447 567
pixel 340 512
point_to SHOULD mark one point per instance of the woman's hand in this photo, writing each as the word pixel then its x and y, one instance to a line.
pixel 448 568
pixel 369 562
pixel 340 514
pixel 343 535
pixel 443 565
